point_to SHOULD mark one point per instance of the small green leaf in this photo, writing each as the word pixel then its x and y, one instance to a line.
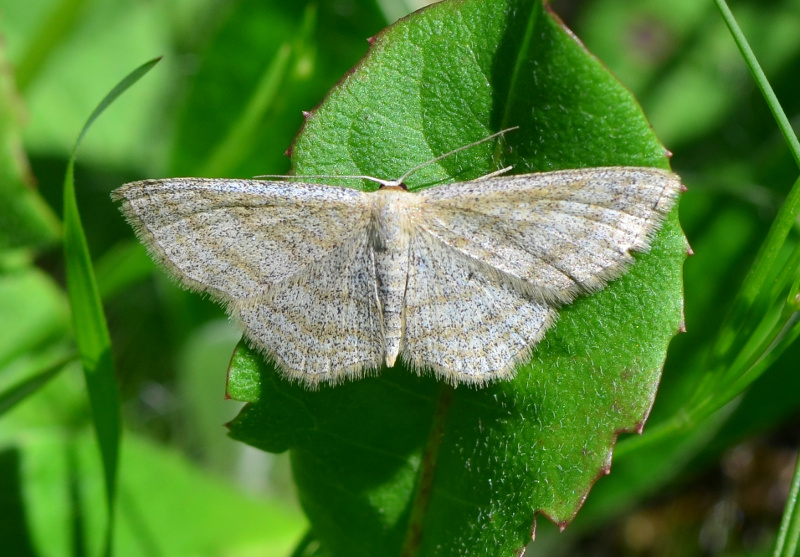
pixel 35 380
pixel 404 465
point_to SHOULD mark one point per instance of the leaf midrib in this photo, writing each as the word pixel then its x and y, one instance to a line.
pixel 427 471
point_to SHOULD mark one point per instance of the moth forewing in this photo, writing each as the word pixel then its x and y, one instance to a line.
pixel 562 233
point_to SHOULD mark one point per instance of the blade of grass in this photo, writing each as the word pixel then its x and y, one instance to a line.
pixel 777 319
pixel 234 147
pixel 239 139
pixel 739 323
pixel 789 532
pixel 760 79
pixel 122 266
pixel 784 338
pixel 88 319
pixel 742 320
pixel 725 381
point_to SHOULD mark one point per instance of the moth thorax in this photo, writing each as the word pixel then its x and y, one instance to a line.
pixel 392 213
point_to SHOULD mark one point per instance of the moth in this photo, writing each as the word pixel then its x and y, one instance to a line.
pixel 463 279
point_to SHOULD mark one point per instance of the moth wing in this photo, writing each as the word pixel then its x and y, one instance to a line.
pixel 561 233
pixel 291 260
pixel 463 319
pixel 236 238
pixel 324 323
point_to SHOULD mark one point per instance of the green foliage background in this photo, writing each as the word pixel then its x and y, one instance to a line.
pixel 226 101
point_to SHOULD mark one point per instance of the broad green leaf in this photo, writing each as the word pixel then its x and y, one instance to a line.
pixel 400 464
pixel 25 218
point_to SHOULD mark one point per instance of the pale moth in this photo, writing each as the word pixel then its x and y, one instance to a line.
pixel 461 279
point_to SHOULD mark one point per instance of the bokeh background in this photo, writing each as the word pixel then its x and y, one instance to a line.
pixel 719 491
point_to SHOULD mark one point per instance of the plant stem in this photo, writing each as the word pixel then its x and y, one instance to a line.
pixel 789 533
pixel 743 321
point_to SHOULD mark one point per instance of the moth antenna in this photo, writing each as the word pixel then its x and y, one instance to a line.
pixel 408 173
pixel 401 179
pixel 284 177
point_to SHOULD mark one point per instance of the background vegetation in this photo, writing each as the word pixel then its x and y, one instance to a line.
pixel 707 483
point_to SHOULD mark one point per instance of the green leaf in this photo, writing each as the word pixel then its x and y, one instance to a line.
pixel 25 219
pixel 170 507
pixel 229 89
pixel 123 265
pixel 167 506
pixel 34 312
pixel 35 320
pixel 89 322
pixel 64 51
pixel 37 376
pixel 237 143
pixel 401 464
pixel 53 28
